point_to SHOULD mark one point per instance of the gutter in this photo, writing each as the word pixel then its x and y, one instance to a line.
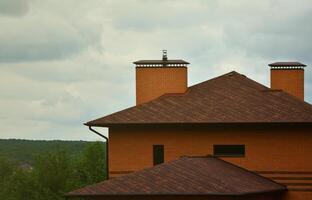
pixel 106 139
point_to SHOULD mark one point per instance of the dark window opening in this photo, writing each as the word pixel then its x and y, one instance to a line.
pixel 158 154
pixel 229 150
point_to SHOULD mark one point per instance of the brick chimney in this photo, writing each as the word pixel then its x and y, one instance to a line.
pixel 289 77
pixel 157 77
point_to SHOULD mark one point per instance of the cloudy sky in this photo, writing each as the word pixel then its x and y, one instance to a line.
pixel 65 62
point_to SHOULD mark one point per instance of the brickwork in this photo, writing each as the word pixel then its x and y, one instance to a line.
pixel 152 82
pixel 266 148
pixel 289 80
pixel 298 195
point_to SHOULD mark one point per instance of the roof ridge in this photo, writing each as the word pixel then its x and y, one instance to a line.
pixel 191 87
pixel 217 77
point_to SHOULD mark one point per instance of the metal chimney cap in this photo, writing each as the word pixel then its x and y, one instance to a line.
pixel 161 63
pixel 156 63
pixel 287 65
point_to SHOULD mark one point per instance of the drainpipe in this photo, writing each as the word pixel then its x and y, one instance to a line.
pixel 106 138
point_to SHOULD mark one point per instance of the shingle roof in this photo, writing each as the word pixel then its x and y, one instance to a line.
pixel 230 98
pixel 185 176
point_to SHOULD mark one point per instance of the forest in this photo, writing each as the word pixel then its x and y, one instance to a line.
pixel 46 170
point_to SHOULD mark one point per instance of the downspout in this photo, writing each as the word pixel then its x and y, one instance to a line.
pixel 106 138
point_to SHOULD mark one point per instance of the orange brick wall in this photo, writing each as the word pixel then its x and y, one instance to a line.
pixel 298 195
pixel 152 82
pixel 266 148
pixel 274 149
pixel 291 81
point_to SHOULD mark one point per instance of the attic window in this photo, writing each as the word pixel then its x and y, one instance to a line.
pixel 158 154
pixel 229 150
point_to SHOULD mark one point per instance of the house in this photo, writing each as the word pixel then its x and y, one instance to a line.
pixel 258 138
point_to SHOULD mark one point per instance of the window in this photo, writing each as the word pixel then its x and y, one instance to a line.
pixel 229 150
pixel 158 154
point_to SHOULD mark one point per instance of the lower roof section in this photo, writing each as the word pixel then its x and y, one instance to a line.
pixel 186 176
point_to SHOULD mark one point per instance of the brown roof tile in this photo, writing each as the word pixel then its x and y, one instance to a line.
pixel 185 176
pixel 230 98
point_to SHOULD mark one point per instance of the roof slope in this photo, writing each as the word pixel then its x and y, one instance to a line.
pixel 230 98
pixel 185 176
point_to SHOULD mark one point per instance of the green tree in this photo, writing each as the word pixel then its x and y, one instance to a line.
pixel 20 185
pixel 91 168
pixel 52 173
pixel 6 168
pixel 6 171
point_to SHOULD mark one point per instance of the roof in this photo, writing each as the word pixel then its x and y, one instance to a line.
pixel 185 176
pixel 230 98
pixel 289 64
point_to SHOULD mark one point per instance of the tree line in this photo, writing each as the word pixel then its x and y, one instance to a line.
pixel 53 174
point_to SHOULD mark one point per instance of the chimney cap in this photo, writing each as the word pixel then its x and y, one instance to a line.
pixel 290 65
pixel 139 62
pixel 161 63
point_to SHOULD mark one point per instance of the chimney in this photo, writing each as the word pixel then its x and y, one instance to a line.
pixel 157 77
pixel 289 77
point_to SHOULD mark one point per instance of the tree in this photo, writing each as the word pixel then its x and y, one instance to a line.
pixel 20 185
pixel 92 165
pixel 6 168
pixel 6 171
pixel 52 172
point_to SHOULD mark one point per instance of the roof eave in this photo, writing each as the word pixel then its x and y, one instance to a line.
pixel 275 191
pixel 195 123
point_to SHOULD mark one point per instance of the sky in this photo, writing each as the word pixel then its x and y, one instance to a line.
pixel 63 63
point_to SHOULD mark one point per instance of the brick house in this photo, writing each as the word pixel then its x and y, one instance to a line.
pixel 258 138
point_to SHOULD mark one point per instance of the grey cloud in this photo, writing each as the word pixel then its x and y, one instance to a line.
pixel 273 35
pixel 151 16
pixel 23 52
pixel 45 35
pixel 15 8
